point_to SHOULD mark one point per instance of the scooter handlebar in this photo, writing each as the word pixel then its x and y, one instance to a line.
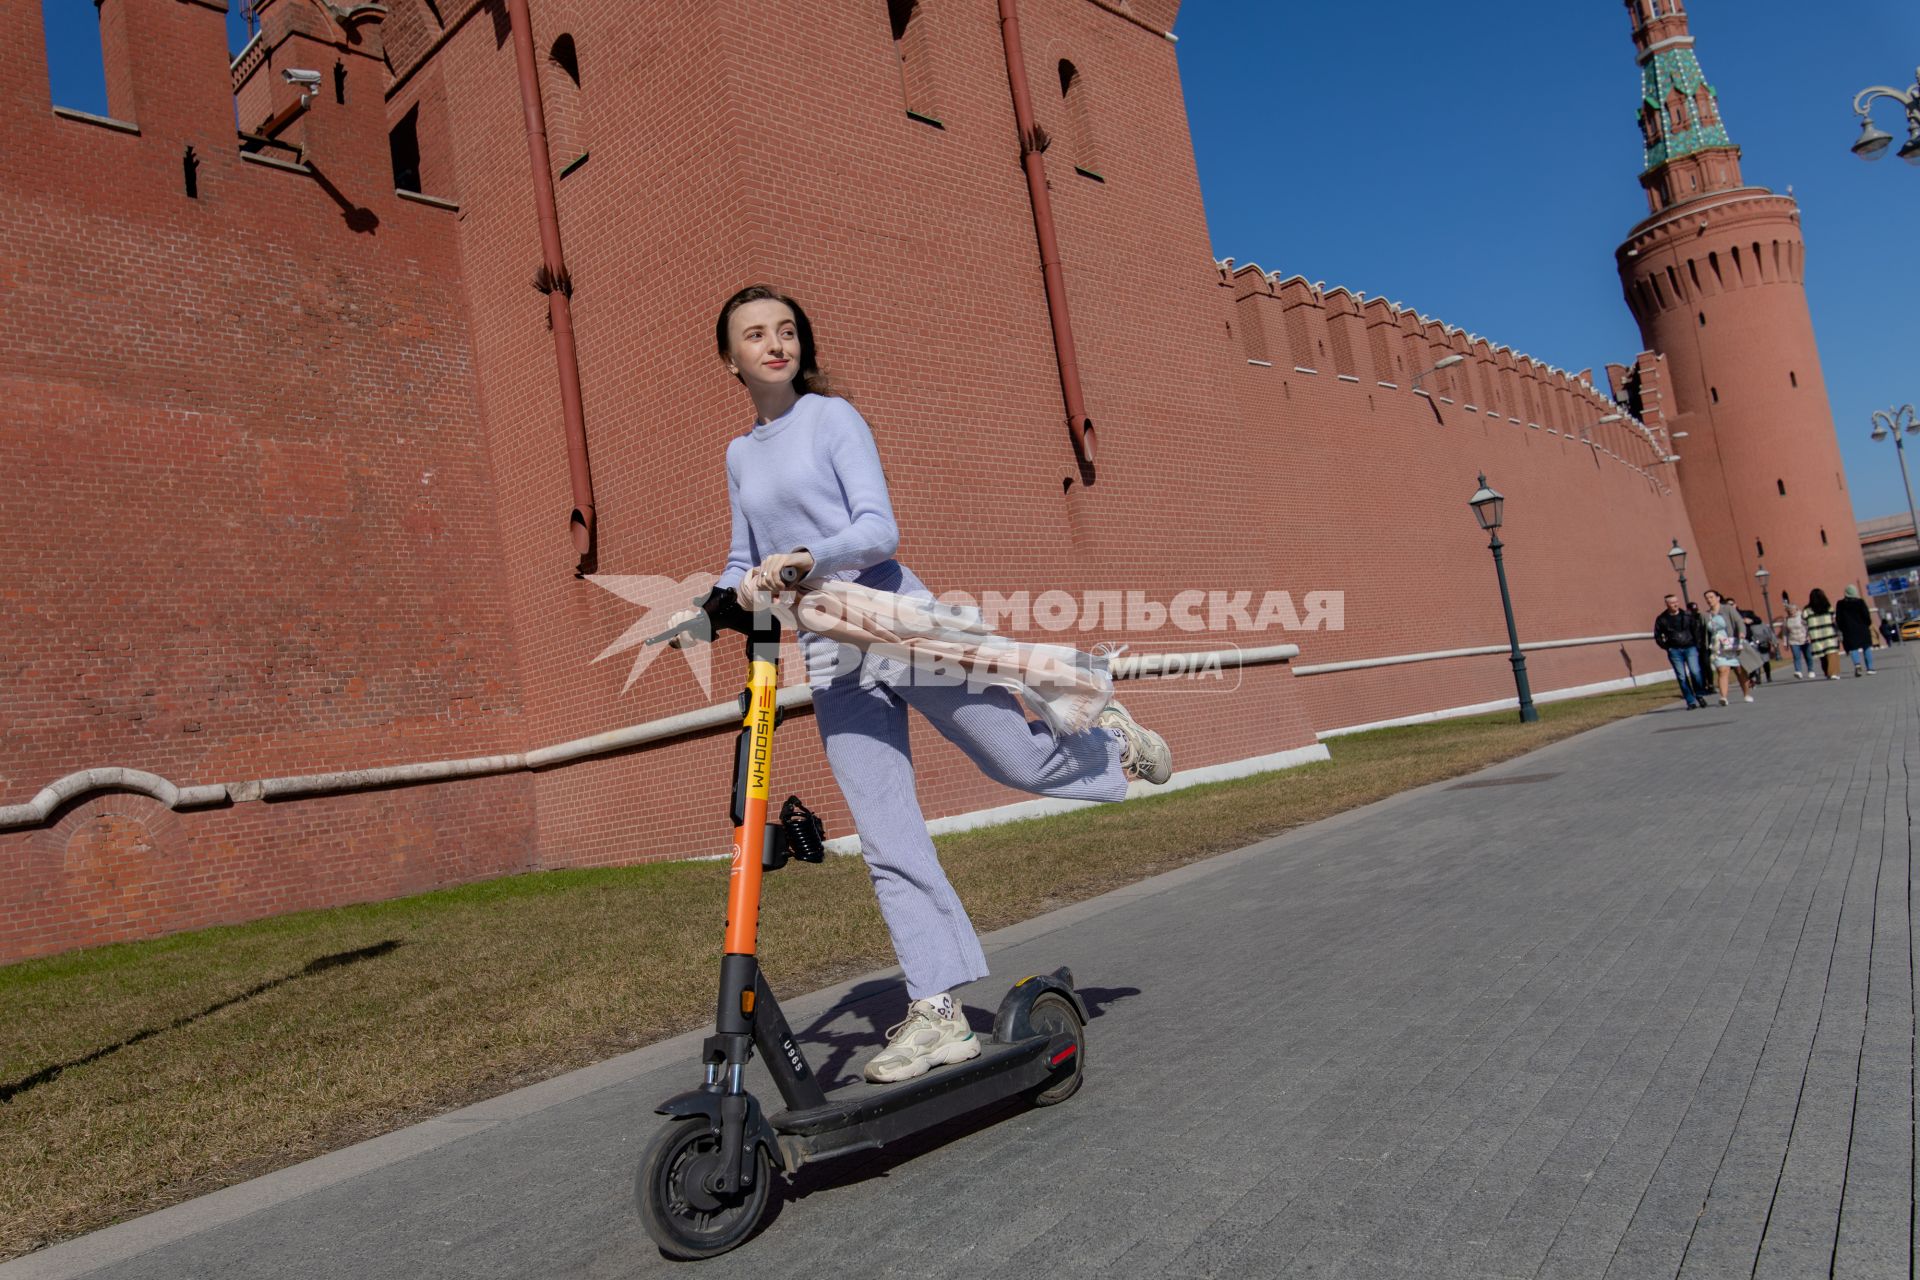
pixel 719 611
pixel 697 626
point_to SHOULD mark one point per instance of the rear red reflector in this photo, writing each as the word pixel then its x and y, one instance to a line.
pixel 1061 1056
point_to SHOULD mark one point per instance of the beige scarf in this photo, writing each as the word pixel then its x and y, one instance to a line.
pixel 950 644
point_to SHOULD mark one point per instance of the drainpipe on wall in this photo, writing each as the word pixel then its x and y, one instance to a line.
pixel 556 283
pixel 1033 141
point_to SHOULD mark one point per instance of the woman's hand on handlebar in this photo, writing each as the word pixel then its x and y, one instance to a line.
pixel 761 584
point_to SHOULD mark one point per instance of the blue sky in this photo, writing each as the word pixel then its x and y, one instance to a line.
pixel 1480 162
pixel 73 49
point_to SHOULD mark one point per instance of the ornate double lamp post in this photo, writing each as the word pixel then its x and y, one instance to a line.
pixel 1873 141
pixel 1678 559
pixel 1488 506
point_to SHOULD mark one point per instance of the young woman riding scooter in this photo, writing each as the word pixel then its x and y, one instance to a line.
pixel 808 493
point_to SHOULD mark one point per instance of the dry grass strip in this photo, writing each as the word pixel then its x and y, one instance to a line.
pixel 136 1076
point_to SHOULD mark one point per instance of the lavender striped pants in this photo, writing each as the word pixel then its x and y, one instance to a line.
pixel 864 728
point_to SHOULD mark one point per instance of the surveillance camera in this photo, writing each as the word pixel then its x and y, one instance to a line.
pixel 305 79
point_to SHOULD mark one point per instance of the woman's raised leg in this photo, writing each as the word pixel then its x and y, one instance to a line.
pixel 989 725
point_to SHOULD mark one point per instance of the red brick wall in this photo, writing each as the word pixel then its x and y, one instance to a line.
pixel 117 866
pixel 248 509
pixel 288 493
pixel 1362 490
pixel 937 328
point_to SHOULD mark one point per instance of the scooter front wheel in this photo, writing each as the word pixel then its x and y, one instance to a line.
pixel 684 1218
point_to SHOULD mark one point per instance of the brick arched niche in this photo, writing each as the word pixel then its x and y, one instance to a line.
pixel 115 857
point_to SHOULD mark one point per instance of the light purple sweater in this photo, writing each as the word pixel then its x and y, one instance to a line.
pixel 812 478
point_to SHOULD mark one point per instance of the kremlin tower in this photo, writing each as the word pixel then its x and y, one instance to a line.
pixel 1714 278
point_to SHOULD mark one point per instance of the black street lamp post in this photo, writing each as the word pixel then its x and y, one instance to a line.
pixel 1764 575
pixel 1487 507
pixel 1678 559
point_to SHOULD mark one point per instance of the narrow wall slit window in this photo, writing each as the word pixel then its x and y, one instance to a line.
pixel 404 144
pixel 1079 123
pixel 913 51
pixel 560 98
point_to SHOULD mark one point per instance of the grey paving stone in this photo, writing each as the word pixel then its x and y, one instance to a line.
pixel 1651 1017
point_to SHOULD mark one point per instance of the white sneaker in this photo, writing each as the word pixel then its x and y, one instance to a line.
pixel 1749 697
pixel 924 1041
pixel 1143 753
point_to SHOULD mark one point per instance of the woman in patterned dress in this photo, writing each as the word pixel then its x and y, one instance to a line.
pixel 1822 639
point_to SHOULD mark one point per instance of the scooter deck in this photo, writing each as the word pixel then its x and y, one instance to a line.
pixel 863 1115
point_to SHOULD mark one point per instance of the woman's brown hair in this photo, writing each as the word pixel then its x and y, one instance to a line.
pixel 809 378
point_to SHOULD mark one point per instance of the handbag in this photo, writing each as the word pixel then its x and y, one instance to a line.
pixel 1750 659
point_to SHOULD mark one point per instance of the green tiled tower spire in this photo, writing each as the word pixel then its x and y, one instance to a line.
pixel 1672 78
pixel 1688 152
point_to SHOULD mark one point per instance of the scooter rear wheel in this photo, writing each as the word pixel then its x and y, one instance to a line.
pixel 684 1218
pixel 1053 1014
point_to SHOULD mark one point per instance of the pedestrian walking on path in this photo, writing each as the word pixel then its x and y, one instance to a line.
pixel 807 492
pixel 1673 632
pixel 1795 627
pixel 1726 637
pixel 1761 638
pixel 1855 623
pixel 1822 641
pixel 1701 647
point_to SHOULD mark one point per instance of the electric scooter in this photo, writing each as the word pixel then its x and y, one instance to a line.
pixel 703 1183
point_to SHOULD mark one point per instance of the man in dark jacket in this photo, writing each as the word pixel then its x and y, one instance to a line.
pixel 1674 631
pixel 1854 621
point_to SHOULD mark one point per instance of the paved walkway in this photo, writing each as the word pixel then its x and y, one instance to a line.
pixel 1640 1004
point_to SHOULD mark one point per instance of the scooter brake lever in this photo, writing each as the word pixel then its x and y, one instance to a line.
pixel 689 627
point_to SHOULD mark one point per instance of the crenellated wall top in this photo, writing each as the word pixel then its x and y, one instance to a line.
pixel 1494 378
pixel 1292 291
